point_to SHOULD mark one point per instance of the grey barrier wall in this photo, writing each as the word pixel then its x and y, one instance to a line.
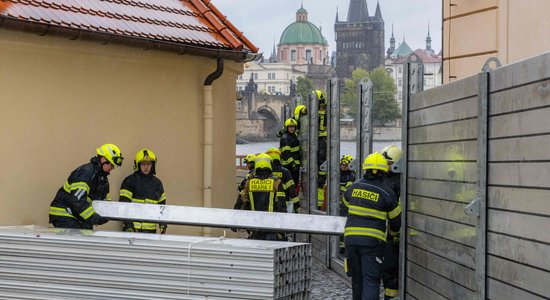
pixel 452 144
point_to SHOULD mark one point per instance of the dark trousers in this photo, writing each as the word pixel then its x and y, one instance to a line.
pixel 66 222
pixel 390 270
pixel 366 272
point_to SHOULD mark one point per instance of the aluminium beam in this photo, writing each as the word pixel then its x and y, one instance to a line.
pixel 218 217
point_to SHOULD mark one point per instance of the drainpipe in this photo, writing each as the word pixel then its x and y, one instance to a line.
pixel 208 157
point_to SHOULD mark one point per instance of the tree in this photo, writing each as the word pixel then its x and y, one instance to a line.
pixel 385 107
pixel 304 86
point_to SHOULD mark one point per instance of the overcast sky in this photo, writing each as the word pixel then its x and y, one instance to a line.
pixel 263 21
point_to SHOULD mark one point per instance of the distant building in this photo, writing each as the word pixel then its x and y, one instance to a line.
pixel 398 56
pixel 359 39
pixel 301 51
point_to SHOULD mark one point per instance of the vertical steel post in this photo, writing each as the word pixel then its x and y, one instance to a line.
pixel 313 145
pixel 333 193
pixel 481 189
pixel 364 123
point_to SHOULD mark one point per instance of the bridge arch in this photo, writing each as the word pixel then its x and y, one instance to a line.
pixel 272 124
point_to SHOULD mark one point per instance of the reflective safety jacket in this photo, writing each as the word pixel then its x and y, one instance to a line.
pixel 290 151
pixel 371 204
pixel 288 183
pixel 322 123
pixel 141 188
pixel 74 199
pixel 263 192
pixel 347 178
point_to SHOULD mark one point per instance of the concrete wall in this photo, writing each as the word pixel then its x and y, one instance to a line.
pixel 61 99
pixel 474 31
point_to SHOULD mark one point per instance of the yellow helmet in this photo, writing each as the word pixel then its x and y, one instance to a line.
pixel 374 162
pixel 300 110
pixel 249 158
pixel 274 153
pixel 346 159
pixel 392 153
pixel 262 161
pixel 145 155
pixel 321 96
pixel 290 122
pixel 112 153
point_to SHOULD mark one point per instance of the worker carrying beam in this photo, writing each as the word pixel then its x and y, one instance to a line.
pixel 371 205
pixel 71 207
pixel 143 187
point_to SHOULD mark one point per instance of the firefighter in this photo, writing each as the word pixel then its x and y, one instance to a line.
pixel 347 178
pixel 290 149
pixel 263 191
pixel 371 205
pixel 143 187
pixel 72 205
pixel 390 268
pixel 249 161
pixel 299 111
pixel 322 148
pixel 292 200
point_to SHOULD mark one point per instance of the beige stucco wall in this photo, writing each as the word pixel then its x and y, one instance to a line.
pixel 61 99
pixel 473 31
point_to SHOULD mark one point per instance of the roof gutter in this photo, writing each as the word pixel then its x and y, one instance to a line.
pixel 143 43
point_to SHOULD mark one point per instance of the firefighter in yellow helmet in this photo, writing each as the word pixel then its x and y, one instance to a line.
pixel 249 161
pixel 283 173
pixel 72 205
pixel 290 149
pixel 371 205
pixel 322 146
pixel 143 187
pixel 390 268
pixel 263 191
pixel 299 112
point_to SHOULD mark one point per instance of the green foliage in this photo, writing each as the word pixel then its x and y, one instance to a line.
pixel 304 86
pixel 385 107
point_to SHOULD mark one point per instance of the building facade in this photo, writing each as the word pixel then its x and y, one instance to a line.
pixel 359 39
pixel 273 78
pixel 474 31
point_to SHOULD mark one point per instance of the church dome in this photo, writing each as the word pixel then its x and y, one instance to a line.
pixel 302 31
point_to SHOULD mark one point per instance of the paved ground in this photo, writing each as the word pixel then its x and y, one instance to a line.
pixel 326 284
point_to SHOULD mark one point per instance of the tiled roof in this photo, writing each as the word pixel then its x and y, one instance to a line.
pixel 192 23
pixel 425 56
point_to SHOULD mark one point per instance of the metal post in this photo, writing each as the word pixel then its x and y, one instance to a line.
pixel 481 189
pixel 364 123
pixel 312 157
pixel 333 199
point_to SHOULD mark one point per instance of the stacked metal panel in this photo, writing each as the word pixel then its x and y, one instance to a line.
pixel 48 263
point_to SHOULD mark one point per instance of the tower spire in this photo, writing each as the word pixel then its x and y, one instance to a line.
pixel 392 42
pixel 358 11
pixel 336 13
pixel 378 13
pixel 429 39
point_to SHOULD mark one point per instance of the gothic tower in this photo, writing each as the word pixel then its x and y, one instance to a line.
pixel 359 39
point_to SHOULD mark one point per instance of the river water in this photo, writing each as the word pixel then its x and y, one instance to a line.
pixel 345 147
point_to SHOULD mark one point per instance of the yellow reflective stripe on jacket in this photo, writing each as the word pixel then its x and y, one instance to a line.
pixel 295 149
pixel 89 200
pixel 285 148
pixel 288 184
pixel 126 193
pixel 295 199
pixel 271 196
pixel 281 194
pixel 162 197
pixel 367 212
pixel 87 213
pixel 391 292
pixel 320 196
pixel 67 187
pixel 346 202
pixel 363 231
pixel 288 161
pixel 60 211
pixel 145 225
pixel 108 197
pixel 138 200
pixel 151 201
pixel 81 185
pixel 395 212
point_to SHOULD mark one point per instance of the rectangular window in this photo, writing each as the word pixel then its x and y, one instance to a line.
pixel 270 75
pixel 292 55
pixel 399 82
pixel 308 55
pixel 399 70
pixel 271 89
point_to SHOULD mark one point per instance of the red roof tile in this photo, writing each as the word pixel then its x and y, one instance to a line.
pixel 195 23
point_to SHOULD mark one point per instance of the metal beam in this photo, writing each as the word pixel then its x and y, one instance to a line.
pixel 218 217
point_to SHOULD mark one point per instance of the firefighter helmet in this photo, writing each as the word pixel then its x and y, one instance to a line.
pixel 300 110
pixel 290 122
pixel 262 161
pixel 374 162
pixel 391 153
pixel 321 97
pixel 249 158
pixel 112 153
pixel 145 155
pixel 274 153
pixel 346 159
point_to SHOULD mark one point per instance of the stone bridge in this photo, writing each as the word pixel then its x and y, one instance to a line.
pixel 260 116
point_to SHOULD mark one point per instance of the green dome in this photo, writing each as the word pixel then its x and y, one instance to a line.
pixel 302 32
pixel 402 50
pixel 301 10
